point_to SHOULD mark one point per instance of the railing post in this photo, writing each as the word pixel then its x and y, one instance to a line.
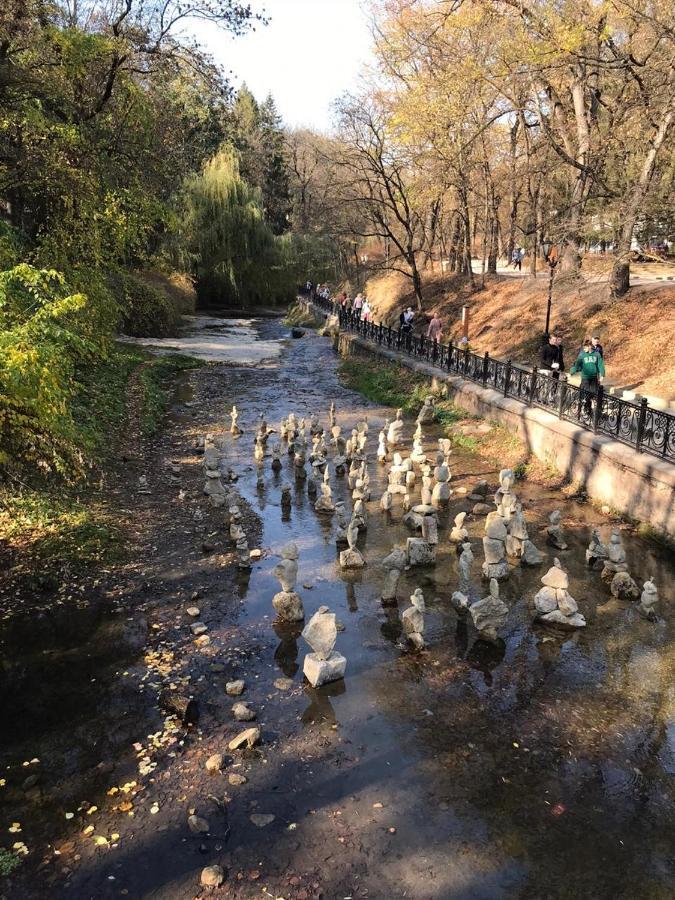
pixel 486 359
pixel 642 418
pixel 563 396
pixel 434 352
pixel 466 360
pixel 597 412
pixel 533 387
pixel 507 377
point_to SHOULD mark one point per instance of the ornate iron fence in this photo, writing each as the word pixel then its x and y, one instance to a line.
pixel 636 424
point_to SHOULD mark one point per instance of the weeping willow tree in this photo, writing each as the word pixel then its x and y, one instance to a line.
pixel 233 249
pixel 237 259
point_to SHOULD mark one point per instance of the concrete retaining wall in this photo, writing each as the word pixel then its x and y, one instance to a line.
pixel 636 484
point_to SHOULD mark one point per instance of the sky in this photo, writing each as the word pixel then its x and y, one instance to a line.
pixel 309 54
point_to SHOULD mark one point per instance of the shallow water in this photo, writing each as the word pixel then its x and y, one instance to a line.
pixel 540 768
pixel 549 756
pixel 234 341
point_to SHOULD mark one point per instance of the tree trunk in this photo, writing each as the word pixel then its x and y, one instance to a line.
pixel 417 282
pixel 619 281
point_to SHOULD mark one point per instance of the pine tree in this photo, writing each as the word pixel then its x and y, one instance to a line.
pixel 275 187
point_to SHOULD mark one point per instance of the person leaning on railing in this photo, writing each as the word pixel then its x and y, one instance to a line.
pixel 592 369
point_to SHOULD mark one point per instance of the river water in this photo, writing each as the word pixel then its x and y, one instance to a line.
pixel 541 768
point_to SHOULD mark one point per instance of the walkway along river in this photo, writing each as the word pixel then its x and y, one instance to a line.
pixel 542 769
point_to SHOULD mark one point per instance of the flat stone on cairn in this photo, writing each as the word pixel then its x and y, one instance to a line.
pixel 382 447
pixel 489 614
pixel 324 664
pixel 234 427
pixel 340 523
pixel 412 620
pixel 420 552
pixel 465 562
pixel 287 602
pixel 325 502
pixel 386 501
pixel 553 603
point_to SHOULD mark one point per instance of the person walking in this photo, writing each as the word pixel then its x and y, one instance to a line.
pixel 515 257
pixel 366 311
pixel 552 356
pixel 357 306
pixel 592 368
pixel 435 328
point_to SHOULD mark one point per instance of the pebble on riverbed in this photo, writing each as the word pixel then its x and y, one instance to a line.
pixel 235 688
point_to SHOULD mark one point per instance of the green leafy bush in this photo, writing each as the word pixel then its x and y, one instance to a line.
pixel 45 331
pixel 144 310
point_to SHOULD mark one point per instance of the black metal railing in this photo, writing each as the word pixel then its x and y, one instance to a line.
pixel 636 424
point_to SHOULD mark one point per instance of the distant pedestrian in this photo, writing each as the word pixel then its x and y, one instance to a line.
pixel 405 320
pixel 597 347
pixel 515 257
pixel 435 328
pixel 357 305
pixel 552 356
pixel 366 311
pixel 592 370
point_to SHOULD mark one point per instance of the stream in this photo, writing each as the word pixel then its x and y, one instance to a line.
pixel 538 768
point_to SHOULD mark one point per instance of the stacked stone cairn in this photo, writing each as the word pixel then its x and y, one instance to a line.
pixel 648 601
pixel 427 414
pixel 458 533
pixel 395 430
pixel 235 430
pixel 276 461
pixel 352 558
pixel 596 552
pixel 615 571
pixel 518 543
pixel 382 447
pixel 554 535
pixel 554 604
pixel 324 664
pixel 412 620
pixel 287 602
pixel 418 455
pixel 393 564
pixel 441 493
pixel 494 547
pixel 489 614
pixel 325 502
pixel 340 523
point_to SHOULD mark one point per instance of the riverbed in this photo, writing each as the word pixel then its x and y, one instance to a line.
pixel 541 767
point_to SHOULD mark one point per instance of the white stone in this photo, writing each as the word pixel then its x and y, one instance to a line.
pixel 566 603
pixel 289 606
pixel 558 618
pixel 493 550
pixel 556 578
pixel 351 559
pixel 545 600
pixel 530 555
pixel 249 737
pixel 242 712
pixel 321 632
pixel 235 688
pixel 322 671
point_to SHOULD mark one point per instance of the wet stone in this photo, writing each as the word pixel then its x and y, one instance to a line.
pixel 283 684
pixel 214 763
pixel 212 876
pixel 198 628
pixel 198 825
pixel 247 738
pixel 235 688
pixel 243 713
pixel 236 779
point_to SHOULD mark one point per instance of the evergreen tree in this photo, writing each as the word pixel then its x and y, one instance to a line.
pixel 275 187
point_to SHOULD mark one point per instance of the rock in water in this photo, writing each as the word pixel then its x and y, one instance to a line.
pixel 623 587
pixel 250 737
pixel 489 614
pixel 214 763
pixel 198 825
pixel 213 876
pixel 235 688
pixel 243 713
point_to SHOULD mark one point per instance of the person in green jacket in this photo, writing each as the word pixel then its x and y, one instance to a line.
pixel 592 368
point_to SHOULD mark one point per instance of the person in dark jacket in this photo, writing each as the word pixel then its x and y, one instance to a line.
pixel 596 346
pixel 552 356
pixel 592 370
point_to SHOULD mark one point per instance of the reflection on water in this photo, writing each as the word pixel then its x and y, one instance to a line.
pixel 548 718
pixel 233 341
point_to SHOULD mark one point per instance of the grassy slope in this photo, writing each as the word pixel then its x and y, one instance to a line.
pixel 70 522
pixel 507 319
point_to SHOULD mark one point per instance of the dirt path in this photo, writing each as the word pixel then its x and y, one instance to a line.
pixel 452 774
